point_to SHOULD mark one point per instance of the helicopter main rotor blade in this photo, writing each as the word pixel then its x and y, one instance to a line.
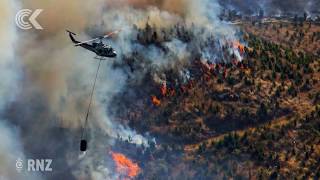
pixel 83 42
pixel 111 33
pixel 95 39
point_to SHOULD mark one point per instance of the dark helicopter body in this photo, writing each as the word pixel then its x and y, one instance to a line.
pixel 100 49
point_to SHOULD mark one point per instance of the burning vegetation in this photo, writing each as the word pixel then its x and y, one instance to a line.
pixel 125 167
pixel 217 116
pixel 189 96
pixel 155 101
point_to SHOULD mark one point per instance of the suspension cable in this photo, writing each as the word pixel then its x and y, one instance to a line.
pixel 91 97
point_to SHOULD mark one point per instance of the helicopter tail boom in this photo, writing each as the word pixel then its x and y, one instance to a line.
pixel 71 34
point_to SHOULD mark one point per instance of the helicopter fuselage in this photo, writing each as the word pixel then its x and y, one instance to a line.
pixel 104 50
pixel 99 49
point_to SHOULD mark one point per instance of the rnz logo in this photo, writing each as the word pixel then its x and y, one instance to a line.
pixel 35 165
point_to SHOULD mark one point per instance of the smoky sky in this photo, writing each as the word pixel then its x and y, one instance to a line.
pixel 272 7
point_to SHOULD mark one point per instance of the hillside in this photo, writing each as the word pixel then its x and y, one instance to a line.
pixel 256 119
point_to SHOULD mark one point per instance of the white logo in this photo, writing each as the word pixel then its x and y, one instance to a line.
pixel 19 165
pixel 35 165
pixel 32 22
pixel 39 164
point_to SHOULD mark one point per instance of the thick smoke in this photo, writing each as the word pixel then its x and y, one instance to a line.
pixel 56 78
pixel 9 67
pixel 273 7
pixel 10 147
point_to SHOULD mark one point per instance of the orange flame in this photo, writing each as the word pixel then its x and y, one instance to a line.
pixel 239 46
pixel 125 166
pixel 155 101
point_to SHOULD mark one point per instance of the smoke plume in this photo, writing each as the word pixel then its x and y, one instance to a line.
pixel 46 82
pixel 273 7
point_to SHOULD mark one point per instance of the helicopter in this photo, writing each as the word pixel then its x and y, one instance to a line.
pixel 102 50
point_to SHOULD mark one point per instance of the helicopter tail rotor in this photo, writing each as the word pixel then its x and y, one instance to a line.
pixel 71 32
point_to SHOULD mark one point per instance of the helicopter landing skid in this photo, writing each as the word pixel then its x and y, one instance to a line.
pixel 99 58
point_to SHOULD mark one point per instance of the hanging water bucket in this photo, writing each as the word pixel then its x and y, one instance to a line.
pixel 83 145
